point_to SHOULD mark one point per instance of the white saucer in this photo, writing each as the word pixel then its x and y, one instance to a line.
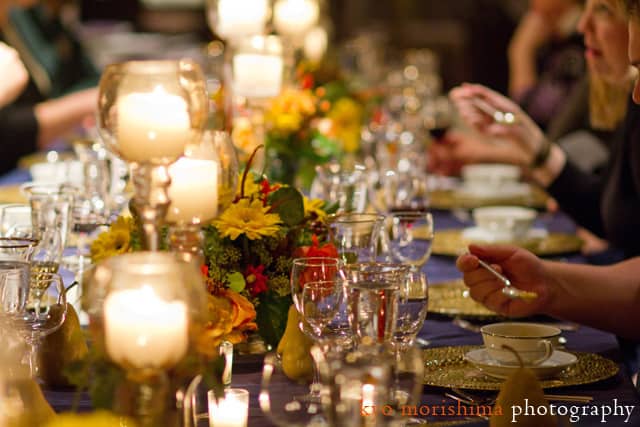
pixel 477 234
pixel 558 362
pixel 504 191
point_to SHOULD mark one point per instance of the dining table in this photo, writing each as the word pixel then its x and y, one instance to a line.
pixel 439 330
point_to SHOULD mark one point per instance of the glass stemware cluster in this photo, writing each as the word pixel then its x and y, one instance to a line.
pixel 364 318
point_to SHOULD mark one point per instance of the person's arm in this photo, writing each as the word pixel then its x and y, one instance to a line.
pixel 14 75
pixel 607 298
pixel 58 116
pixel 18 135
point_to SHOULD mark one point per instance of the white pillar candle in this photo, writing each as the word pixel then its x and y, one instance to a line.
pixel 152 125
pixel 368 398
pixel 193 191
pixel 256 75
pixel 240 18
pixel 315 43
pixel 144 330
pixel 232 410
pixel 295 17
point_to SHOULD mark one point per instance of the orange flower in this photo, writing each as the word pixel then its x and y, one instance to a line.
pixel 243 316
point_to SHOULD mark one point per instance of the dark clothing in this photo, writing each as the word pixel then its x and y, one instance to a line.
pixel 18 135
pixel 617 193
pixel 561 65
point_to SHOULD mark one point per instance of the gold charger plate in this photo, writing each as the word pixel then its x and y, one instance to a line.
pixel 450 199
pixel 446 367
pixel 451 242
pixel 451 299
pixel 11 194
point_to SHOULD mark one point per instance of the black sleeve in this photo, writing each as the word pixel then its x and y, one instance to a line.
pixel 579 193
pixel 18 135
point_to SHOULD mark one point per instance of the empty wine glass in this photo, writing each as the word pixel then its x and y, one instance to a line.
pixel 312 269
pixel 406 385
pixel 355 235
pixel 344 186
pixel 411 236
pixel 320 303
pixel 15 220
pixel 46 315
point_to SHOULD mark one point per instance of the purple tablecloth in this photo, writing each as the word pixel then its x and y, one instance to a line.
pixel 442 332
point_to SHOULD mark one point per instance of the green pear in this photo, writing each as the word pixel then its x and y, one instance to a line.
pixel 294 348
pixel 60 349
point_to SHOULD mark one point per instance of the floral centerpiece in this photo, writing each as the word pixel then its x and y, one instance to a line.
pixel 248 252
pixel 309 123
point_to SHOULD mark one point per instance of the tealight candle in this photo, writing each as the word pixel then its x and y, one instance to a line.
pixel 240 18
pixel 368 398
pixel 232 410
pixel 257 75
pixel 193 191
pixel 144 330
pixel 152 125
pixel 295 17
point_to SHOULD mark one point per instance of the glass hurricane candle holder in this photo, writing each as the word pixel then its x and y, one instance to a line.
pixel 233 19
pixel 148 111
pixel 203 184
pixel 146 311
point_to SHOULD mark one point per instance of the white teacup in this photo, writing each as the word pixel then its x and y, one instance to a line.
pixel 491 175
pixel 505 222
pixel 533 342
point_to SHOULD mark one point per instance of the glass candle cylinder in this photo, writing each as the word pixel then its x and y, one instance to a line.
pixel 258 67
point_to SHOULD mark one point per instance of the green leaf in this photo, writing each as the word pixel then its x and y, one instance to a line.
pixel 288 203
pixel 236 281
pixel 272 317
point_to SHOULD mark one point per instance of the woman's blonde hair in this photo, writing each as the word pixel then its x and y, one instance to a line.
pixel 608 101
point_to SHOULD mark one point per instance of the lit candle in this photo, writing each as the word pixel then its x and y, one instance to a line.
pixel 256 75
pixel 368 398
pixel 315 43
pixel 144 330
pixel 152 125
pixel 232 410
pixel 241 18
pixel 295 17
pixel 193 191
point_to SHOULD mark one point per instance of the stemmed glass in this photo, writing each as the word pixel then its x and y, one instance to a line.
pixel 46 315
pixel 411 235
pixel 320 303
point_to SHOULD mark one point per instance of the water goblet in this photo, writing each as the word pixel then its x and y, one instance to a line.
pixel 411 236
pixel 355 235
pixel 15 220
pixel 413 302
pixel 347 187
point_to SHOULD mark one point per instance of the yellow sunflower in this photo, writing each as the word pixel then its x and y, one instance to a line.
pixel 314 206
pixel 249 218
pixel 115 241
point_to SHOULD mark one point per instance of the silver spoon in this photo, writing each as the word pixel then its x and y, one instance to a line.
pixel 509 290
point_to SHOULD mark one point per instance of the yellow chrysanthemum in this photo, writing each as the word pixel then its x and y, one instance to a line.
pixel 249 218
pixel 287 112
pixel 314 206
pixel 115 241
pixel 346 117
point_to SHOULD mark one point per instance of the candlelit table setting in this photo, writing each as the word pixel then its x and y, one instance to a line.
pixel 296 268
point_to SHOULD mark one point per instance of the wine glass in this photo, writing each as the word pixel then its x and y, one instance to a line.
pixel 411 236
pixel 312 269
pixel 320 303
pixel 438 116
pixel 279 395
pixel 412 309
pixel 406 385
pixel 355 235
pixel 15 220
pixel 46 315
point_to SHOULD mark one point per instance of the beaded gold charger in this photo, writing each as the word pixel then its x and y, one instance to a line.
pixel 451 199
pixel 452 299
pixel 11 194
pixel 451 242
pixel 447 367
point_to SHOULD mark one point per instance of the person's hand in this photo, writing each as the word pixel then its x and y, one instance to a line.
pixel 523 131
pixel 524 270
pixel 13 75
pixel 457 149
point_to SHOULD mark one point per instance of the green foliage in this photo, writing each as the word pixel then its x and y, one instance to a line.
pixel 272 317
pixel 288 203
